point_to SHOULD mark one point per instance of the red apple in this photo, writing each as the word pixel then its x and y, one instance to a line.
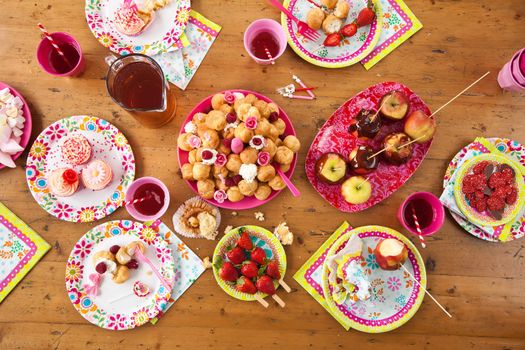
pixel 394 105
pixel 360 161
pixel 394 153
pixel 390 254
pixel 419 126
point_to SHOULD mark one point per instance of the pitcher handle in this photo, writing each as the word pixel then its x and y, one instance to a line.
pixel 110 59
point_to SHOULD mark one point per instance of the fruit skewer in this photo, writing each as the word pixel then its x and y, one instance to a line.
pixel 403 145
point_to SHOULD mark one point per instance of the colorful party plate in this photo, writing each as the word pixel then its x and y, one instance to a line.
pixel 162 35
pixel 108 144
pixel 24 140
pixel 395 298
pixel 115 306
pixel 334 137
pixel 510 148
pixel 482 219
pixel 248 202
pixel 350 51
pixel 262 238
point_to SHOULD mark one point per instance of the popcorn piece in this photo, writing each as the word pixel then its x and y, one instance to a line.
pixel 228 229
pixel 283 233
pixel 207 263
pixel 259 216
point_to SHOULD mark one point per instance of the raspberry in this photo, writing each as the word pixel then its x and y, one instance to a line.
pixel 500 192
pixel 469 180
pixel 496 180
pixel 132 264
pixel 231 118
pixel 470 196
pixel 512 197
pixel 467 189
pixel 477 181
pixel 237 179
pixel 479 194
pixel 495 203
pixel 101 268
pixel 229 182
pixel 481 205
pixel 480 167
pixel 227 143
pixel 114 249
pixel 273 117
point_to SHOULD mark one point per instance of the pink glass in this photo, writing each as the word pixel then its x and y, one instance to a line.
pixel 43 53
pixel 265 25
pixel 508 75
pixel 131 192
pixel 438 217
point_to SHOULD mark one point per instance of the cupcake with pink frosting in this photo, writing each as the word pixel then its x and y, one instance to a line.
pixel 97 175
pixel 63 182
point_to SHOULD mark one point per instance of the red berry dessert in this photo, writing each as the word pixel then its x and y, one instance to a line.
pixel 490 187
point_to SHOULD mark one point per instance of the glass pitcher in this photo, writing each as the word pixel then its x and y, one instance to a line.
pixel 136 82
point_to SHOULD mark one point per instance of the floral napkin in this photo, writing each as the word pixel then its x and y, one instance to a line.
pixel 180 66
pixel 188 266
pixel 20 249
pixel 399 24
pixel 310 274
pixel 480 146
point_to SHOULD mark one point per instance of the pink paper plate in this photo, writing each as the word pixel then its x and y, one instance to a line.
pixel 248 202
pixel 334 137
pixel 24 140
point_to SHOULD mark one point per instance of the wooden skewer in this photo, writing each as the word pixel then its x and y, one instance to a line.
pixel 362 182
pixel 379 110
pixel 278 300
pixel 403 145
pixel 453 98
pixel 426 291
pixel 285 286
pixel 261 301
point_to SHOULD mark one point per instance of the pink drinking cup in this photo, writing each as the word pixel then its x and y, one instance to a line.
pixel 438 217
pixel 131 192
pixel 518 67
pixel 507 80
pixel 264 25
pixel 44 49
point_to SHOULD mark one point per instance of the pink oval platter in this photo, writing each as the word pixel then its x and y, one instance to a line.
pixel 334 137
pixel 248 202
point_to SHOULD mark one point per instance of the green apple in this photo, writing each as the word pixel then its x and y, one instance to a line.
pixel 356 190
pixel 331 168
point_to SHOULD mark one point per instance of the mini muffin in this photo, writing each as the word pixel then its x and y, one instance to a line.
pixel 234 194
pixel 263 192
pixel 329 4
pixel 277 183
pixel 206 188
pixel 187 171
pixel 341 9
pixel 292 143
pixel 284 155
pixel 217 101
pixel 97 175
pixel 201 171
pixel 266 173
pixel 197 219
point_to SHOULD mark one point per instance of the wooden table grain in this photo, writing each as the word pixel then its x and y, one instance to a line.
pixel 482 284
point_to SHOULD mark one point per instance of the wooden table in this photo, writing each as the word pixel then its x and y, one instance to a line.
pixel 482 284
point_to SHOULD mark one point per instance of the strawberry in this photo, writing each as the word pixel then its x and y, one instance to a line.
pixel 349 30
pixel 265 285
pixel 249 269
pixel 333 39
pixel 228 272
pixel 236 255
pixel 258 256
pixel 366 16
pixel 272 270
pixel 245 242
pixel 245 285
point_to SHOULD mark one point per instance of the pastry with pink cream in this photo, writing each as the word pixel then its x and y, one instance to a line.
pixel 97 175
pixel 63 182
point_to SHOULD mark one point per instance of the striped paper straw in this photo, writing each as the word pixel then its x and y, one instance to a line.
pixel 52 41
pixel 270 57
pixel 418 228
pixel 135 201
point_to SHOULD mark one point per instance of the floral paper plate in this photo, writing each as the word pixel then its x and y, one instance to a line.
pixel 262 238
pixel 161 36
pixel 108 144
pixel 350 51
pixel 482 219
pixel 395 298
pixel 115 306
pixel 510 148
pixel 334 137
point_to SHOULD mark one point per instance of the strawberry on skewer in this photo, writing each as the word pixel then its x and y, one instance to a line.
pixel 265 284
pixel 272 270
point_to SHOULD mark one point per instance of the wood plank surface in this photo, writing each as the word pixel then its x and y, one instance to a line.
pixel 481 284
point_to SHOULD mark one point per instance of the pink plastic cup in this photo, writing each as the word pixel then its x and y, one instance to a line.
pixel 438 212
pixel 507 79
pixel 264 25
pixel 518 66
pixel 44 49
pixel 131 192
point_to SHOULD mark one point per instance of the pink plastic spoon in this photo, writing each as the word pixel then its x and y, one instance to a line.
pixel 289 184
